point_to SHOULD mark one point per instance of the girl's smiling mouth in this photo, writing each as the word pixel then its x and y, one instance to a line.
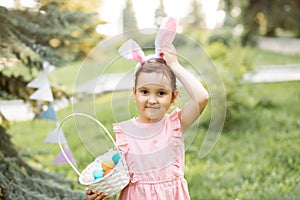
pixel 153 107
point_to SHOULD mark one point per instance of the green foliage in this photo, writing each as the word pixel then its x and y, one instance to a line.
pixel 217 50
pixel 18 180
pixel 265 18
pixel 48 33
pixel 258 158
pixel 232 64
pixel 87 6
pixel 15 87
pixel 223 35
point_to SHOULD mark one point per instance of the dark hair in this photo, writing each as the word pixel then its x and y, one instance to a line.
pixel 157 65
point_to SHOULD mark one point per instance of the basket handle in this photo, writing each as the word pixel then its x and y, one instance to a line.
pixel 90 117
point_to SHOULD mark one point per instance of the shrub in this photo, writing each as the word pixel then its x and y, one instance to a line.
pixel 232 63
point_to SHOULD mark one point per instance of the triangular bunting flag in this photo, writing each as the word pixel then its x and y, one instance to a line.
pixel 48 67
pixel 60 159
pixel 39 81
pixel 53 137
pixel 44 93
pixel 49 114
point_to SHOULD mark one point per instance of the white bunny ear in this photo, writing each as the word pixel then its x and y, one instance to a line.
pixel 165 34
pixel 130 50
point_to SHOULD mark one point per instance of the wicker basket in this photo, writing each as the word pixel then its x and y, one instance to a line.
pixel 115 180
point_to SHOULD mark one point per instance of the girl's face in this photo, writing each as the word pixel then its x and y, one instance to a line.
pixel 153 96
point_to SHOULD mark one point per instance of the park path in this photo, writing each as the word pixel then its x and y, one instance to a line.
pixel 117 82
pixel 274 73
pixel 18 110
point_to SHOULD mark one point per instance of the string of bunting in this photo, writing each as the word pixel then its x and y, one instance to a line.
pixel 44 93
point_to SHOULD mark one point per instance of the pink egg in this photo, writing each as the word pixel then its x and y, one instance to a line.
pixel 106 172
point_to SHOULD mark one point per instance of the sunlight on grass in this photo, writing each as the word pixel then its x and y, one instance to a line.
pixel 271 58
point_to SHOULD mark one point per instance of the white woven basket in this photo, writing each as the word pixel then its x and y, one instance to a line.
pixel 115 180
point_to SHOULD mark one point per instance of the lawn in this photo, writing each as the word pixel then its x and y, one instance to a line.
pixel 258 158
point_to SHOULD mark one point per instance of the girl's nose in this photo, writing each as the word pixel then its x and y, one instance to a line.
pixel 152 99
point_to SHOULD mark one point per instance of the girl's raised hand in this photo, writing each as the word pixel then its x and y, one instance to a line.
pixel 96 196
pixel 170 54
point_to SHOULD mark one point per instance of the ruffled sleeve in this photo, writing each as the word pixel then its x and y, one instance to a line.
pixel 176 134
pixel 177 142
pixel 175 120
pixel 121 139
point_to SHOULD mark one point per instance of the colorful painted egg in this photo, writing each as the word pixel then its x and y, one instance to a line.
pixel 108 164
pixel 106 172
pixel 116 158
pixel 98 173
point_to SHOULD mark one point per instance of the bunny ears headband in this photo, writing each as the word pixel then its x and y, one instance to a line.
pixel 130 50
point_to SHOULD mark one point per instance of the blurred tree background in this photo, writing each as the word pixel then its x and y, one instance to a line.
pixel 64 31
pixel 264 18
pixel 129 20
pixel 57 32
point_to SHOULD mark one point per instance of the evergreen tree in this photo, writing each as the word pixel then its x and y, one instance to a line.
pixel 86 6
pixel 194 20
pixel 160 13
pixel 50 33
pixel 129 20
pixel 47 34
pixel 20 181
pixel 196 17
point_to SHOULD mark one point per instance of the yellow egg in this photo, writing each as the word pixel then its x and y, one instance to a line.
pixel 108 164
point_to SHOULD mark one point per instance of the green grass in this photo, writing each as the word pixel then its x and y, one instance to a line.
pixel 65 76
pixel 262 57
pixel 258 159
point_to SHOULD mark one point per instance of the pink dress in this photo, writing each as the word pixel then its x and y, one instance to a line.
pixel 155 157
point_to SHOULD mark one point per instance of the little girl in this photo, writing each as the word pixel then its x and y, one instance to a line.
pixel 153 141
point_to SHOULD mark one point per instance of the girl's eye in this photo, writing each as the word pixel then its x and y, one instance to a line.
pixel 144 91
pixel 161 93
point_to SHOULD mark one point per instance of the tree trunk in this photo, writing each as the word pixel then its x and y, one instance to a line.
pixel 20 181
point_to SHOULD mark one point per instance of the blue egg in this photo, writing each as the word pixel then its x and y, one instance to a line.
pixel 116 158
pixel 98 173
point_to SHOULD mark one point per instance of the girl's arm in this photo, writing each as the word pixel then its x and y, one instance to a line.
pixel 198 94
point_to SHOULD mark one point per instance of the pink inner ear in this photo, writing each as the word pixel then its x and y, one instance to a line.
pixel 166 34
pixel 130 50
pixel 171 25
pixel 137 55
